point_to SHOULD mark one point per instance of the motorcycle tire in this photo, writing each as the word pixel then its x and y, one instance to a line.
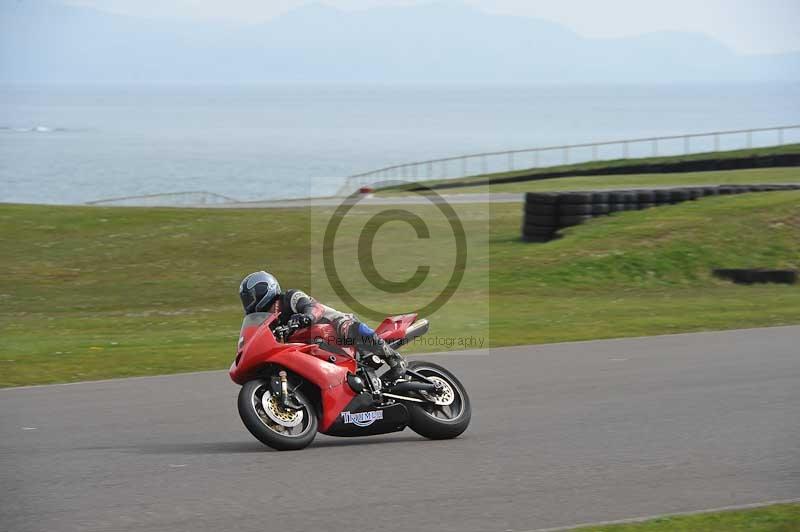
pixel 265 429
pixel 431 421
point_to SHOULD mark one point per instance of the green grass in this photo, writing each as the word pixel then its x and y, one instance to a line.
pixel 92 293
pixel 607 182
pixel 610 164
pixel 773 518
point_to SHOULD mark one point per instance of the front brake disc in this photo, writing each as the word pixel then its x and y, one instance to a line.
pixel 282 416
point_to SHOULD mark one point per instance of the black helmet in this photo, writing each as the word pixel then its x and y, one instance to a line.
pixel 258 291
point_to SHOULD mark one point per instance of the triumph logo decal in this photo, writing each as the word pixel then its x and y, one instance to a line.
pixel 362 419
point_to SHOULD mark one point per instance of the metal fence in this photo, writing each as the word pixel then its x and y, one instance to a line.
pixel 530 158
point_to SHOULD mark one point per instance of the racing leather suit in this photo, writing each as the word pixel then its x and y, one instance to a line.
pixel 348 328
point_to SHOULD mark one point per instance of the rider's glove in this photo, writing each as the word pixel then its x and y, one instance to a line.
pixel 299 321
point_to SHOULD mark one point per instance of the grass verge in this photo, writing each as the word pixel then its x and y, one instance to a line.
pixel 91 293
pixel 773 518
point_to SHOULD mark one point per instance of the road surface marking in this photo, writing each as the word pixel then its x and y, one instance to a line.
pixel 659 516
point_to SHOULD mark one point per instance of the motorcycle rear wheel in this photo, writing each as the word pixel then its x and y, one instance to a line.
pixel 276 430
pixel 440 421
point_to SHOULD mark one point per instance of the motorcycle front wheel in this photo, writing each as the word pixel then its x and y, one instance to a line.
pixel 266 419
pixel 445 415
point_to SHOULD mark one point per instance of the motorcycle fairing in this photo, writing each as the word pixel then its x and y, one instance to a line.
pixel 259 348
pixel 362 417
pixel 323 332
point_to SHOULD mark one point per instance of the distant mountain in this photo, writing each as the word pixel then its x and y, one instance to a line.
pixel 44 41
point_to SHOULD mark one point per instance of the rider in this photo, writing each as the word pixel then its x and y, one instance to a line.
pixel 260 292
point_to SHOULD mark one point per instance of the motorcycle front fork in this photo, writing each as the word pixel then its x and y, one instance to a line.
pixel 279 387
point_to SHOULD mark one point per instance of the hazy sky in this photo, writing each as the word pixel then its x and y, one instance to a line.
pixel 748 26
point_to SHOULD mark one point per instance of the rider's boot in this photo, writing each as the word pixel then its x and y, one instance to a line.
pixel 370 342
pixel 397 364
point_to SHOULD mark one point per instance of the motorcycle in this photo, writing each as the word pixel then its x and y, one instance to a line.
pixel 297 382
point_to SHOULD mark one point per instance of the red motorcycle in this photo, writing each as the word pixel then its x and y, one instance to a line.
pixel 297 382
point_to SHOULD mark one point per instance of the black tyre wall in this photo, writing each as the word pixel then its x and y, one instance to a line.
pixel 546 212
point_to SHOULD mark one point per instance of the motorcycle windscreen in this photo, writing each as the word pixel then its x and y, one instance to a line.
pixel 251 324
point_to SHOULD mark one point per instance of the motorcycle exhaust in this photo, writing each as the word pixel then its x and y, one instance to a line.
pixel 416 330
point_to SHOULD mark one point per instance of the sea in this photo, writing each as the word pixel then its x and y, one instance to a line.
pixel 75 144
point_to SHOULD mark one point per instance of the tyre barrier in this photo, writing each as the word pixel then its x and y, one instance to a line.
pixel 547 212
pixel 751 276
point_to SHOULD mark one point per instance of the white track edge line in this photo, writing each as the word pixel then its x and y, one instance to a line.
pixel 660 516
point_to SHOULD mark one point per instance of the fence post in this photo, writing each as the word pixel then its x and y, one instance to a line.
pixel 655 147
pixel 749 137
pixel 716 141
pixel 625 150
pixel 594 152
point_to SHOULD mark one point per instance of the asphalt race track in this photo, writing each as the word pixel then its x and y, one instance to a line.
pixel 561 434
